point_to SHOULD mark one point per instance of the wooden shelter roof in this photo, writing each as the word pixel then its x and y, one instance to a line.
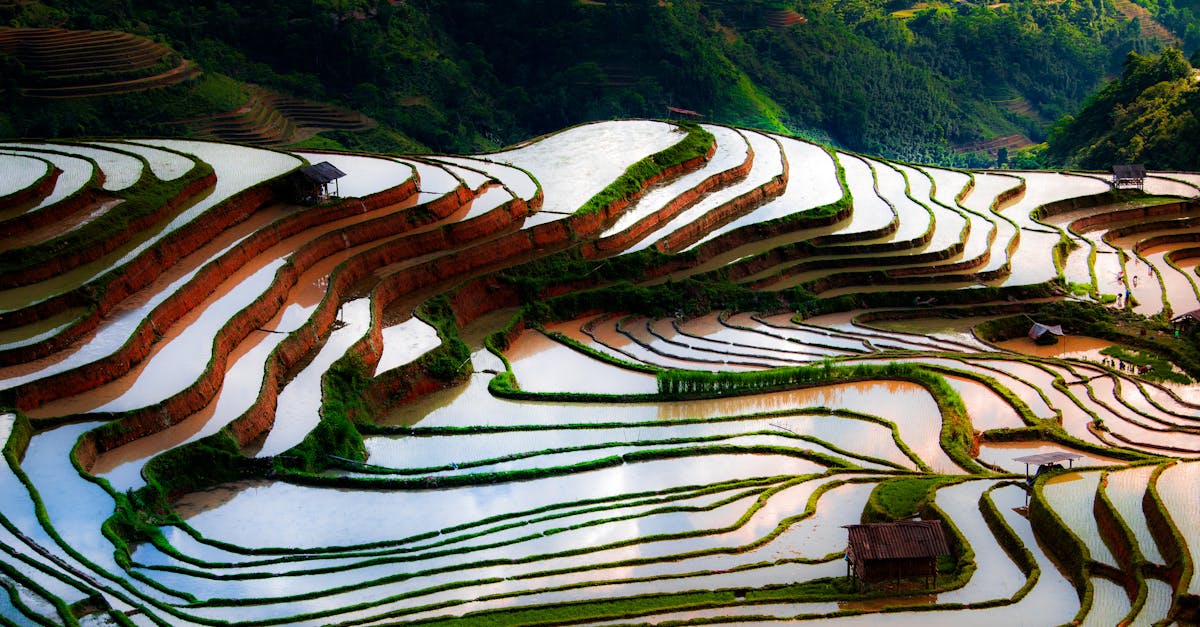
pixel 1042 459
pixel 1190 315
pixel 1038 330
pixel 1129 171
pixel 322 172
pixel 898 540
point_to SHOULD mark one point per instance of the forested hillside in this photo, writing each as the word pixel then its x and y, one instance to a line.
pixel 1148 116
pixel 931 83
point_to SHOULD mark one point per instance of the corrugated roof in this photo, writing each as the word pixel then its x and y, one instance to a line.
pixel 1038 330
pixel 898 540
pixel 1194 315
pixel 322 172
pixel 1047 458
pixel 1130 171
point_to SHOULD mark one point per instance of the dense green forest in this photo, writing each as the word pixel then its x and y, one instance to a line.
pixel 1148 115
pixel 464 75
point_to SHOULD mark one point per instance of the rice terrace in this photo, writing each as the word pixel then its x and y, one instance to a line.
pixel 633 372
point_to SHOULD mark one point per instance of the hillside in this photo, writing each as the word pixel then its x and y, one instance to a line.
pixel 926 83
pixel 629 371
pixel 1148 115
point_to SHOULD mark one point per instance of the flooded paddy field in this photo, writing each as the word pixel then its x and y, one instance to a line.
pixel 449 395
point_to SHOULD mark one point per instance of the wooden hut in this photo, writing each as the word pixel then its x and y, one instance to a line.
pixel 1045 334
pixel 1129 176
pixel 1046 462
pixel 1186 322
pixel 312 182
pixel 880 552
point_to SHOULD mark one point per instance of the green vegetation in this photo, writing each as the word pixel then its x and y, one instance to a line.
pixel 904 497
pixel 1147 115
pixel 460 76
pixel 1159 369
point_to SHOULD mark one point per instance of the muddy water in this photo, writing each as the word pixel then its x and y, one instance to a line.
pixel 708 337
pixel 1107 266
pixel 1068 347
pixel 712 356
pixel 1071 495
pixel 40 330
pixel 1148 291
pixel 120 324
pixel 1181 291
pixel 986 409
pixel 241 386
pixel 179 358
pixel 44 234
pixel 812 182
pixel 543 365
pixel 746 325
pixel 297 410
pixel 1044 381
pixel 492 197
pixel 1033 260
pixel 1125 489
pixel 1003 454
pixel 1133 395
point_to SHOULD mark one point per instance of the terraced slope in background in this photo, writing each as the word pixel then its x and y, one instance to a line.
pixel 60 63
pixel 627 373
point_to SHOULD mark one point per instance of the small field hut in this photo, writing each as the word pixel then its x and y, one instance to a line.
pixel 1129 176
pixel 1187 322
pixel 1045 333
pixel 311 183
pixel 908 549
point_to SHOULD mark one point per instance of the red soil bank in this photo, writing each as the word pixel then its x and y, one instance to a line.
pixel 292 350
pixel 69 260
pixel 726 212
pixel 206 281
pixel 1088 223
pixel 169 252
pixel 628 237
pixel 53 213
